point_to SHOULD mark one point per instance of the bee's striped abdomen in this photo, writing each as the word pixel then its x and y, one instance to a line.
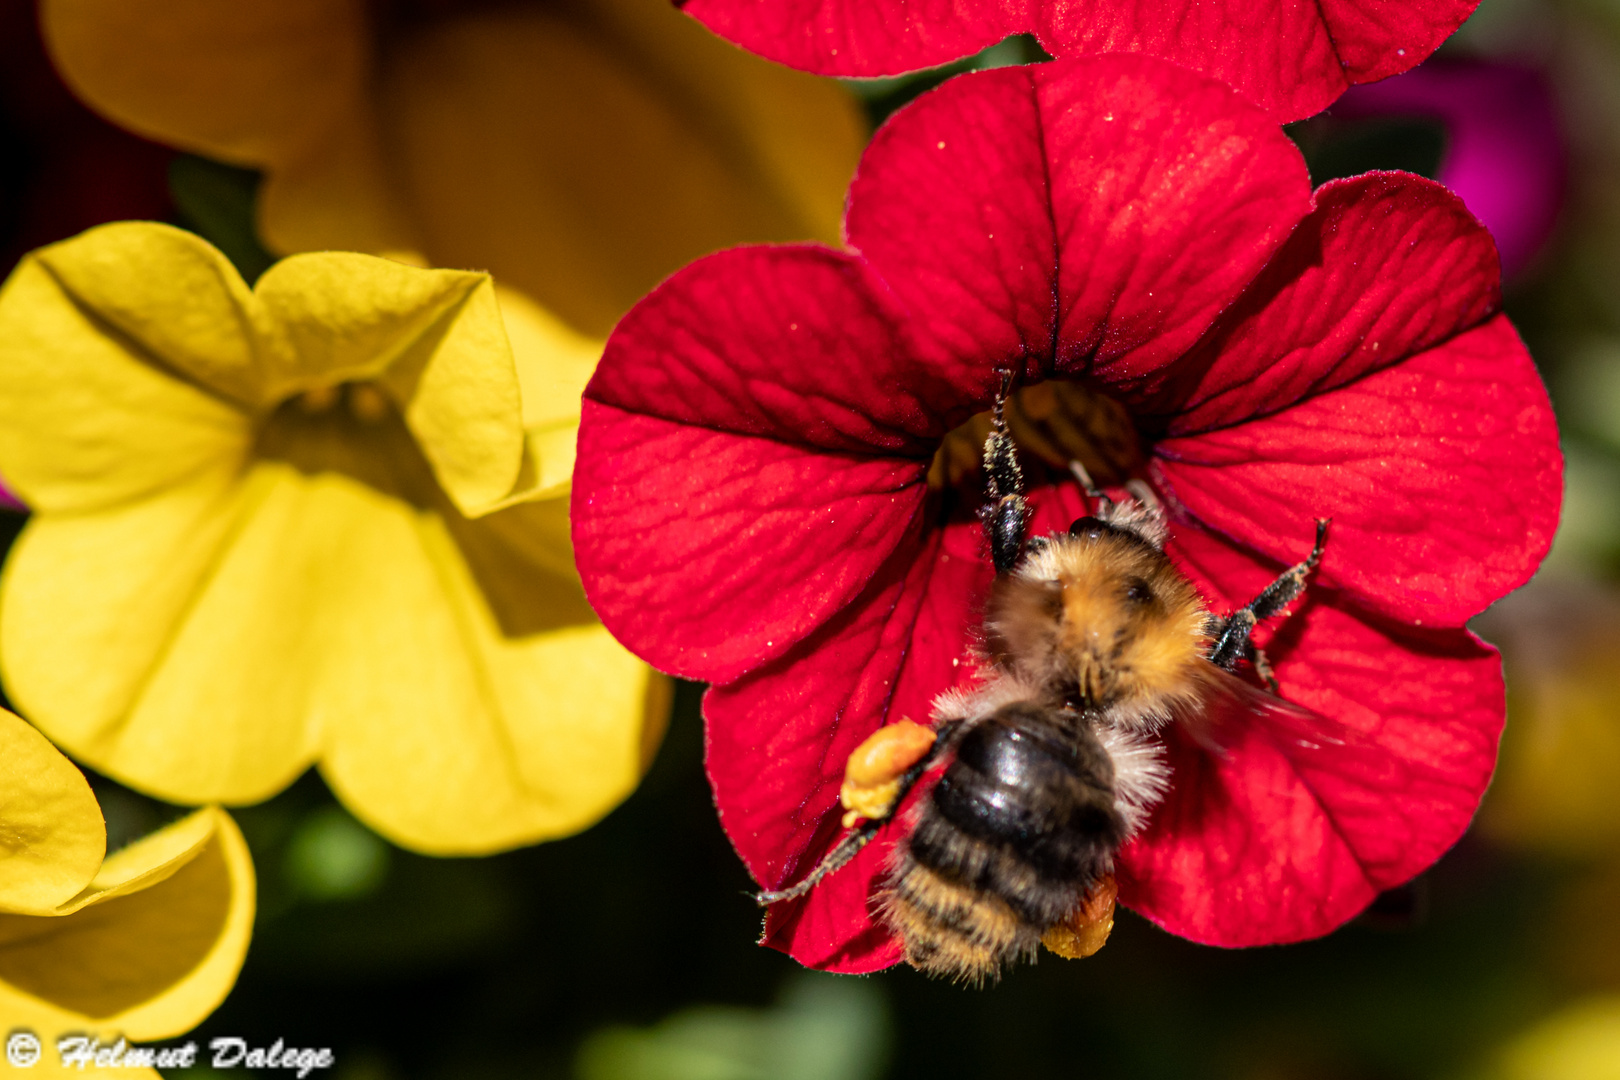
pixel 1021 825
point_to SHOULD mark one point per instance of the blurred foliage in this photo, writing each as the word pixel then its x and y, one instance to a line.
pixel 1555 790
pixel 883 96
pixel 824 1028
pixel 1336 148
pixel 216 201
pixel 1580 1043
pixel 331 856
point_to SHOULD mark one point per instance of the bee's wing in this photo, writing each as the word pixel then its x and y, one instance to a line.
pixel 1234 710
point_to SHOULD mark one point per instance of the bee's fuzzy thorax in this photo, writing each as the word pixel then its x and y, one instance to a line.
pixel 1107 616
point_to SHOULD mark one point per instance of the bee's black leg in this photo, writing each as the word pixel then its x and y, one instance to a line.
pixel 1006 517
pixel 857 838
pixel 1231 634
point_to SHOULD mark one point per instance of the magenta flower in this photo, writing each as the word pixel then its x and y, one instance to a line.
pixel 751 504
pixel 1504 155
pixel 1293 59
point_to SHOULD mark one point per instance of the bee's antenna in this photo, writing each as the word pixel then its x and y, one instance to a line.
pixel 1086 483
pixel 1089 486
pixel 1144 494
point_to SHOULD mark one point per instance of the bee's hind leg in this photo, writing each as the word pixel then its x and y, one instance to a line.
pixel 885 767
pixel 1232 634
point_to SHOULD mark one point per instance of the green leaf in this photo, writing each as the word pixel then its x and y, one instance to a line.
pixel 216 201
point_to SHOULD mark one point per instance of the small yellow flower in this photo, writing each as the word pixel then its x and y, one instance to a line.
pixel 1582 1042
pixel 1560 762
pixel 580 151
pixel 143 945
pixel 288 525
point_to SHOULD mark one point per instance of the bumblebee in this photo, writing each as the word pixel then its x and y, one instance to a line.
pixel 1093 643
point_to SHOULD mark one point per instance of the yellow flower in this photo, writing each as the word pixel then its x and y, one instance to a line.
pixel 143 945
pixel 1560 761
pixel 1582 1042
pixel 578 151
pixel 286 525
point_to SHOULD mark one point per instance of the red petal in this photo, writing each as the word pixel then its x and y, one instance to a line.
pixel 1123 198
pixel 752 448
pixel 1375 41
pixel 1287 835
pixel 1387 265
pixel 707 553
pixel 852 37
pixel 1293 59
pixel 798 343
pixel 835 927
pixel 779 737
pixel 1442 475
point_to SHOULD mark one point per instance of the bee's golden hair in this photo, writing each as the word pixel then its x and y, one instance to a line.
pixel 1108 616
pixel 952 930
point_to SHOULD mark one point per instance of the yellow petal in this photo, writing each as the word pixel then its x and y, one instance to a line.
pixel 173 295
pixel 436 339
pixel 292 612
pixel 553 365
pixel 449 735
pixel 801 135
pixel 86 419
pixel 120 302
pixel 246 82
pixel 282 84
pixel 580 152
pixel 1580 1043
pixel 582 162
pixel 552 448
pixel 553 361
pixel 51 835
pixel 337 195
pixel 156 950
pixel 162 642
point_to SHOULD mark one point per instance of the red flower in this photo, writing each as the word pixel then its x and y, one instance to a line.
pixel 1291 58
pixel 751 506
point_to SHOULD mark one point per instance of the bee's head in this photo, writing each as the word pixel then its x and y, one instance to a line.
pixel 1101 616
